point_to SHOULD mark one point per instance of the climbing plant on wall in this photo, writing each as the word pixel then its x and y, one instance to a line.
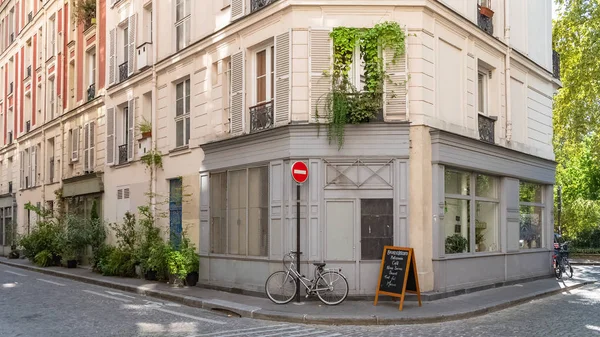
pixel 346 104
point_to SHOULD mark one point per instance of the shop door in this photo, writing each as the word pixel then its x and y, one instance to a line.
pixel 175 207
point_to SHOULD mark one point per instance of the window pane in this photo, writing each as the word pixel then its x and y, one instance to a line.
pixel 187 130
pixel 486 227
pixel 457 182
pixel 529 192
pixel 486 186
pixel 179 10
pixel 457 225
pixel 179 133
pixel 179 91
pixel 480 91
pixel 180 39
pixel 218 213
pixel 179 107
pixel 530 227
pixel 261 89
pixel 272 72
pixel 258 211
pixel 376 227
pixel 236 226
pixel 187 96
pixel 261 63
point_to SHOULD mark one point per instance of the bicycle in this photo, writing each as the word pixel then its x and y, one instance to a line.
pixel 561 262
pixel 330 285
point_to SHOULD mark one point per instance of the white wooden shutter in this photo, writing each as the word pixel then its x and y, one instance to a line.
pixel 237 9
pixel 396 98
pixel 321 51
pixel 112 57
pixel 110 136
pixel 22 169
pixel 283 88
pixel 237 93
pixel 92 147
pixel 131 49
pixel 131 130
pixel 28 168
pixel 75 144
pixel 34 165
pixel 86 145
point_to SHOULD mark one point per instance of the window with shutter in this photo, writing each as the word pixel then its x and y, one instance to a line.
pixel 22 169
pixel 75 144
pixel 92 147
pixel 34 162
pixel 131 50
pixel 282 78
pixel 237 9
pixel 396 98
pixel 236 107
pixel 112 58
pixel 182 23
pixel 110 136
pixel 130 128
pixel 86 145
pixel 182 113
pixel 321 61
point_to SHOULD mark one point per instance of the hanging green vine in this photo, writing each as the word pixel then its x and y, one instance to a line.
pixel 346 104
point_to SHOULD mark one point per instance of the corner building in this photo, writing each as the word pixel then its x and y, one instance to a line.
pixel 459 165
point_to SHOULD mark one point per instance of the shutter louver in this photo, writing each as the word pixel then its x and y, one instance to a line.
pixel 22 170
pixel 131 130
pixel 320 64
pixel 86 145
pixel 396 97
pixel 282 78
pixel 112 57
pixel 237 9
pixel 110 136
pixel 237 93
pixel 75 144
pixel 131 49
pixel 34 165
pixel 92 147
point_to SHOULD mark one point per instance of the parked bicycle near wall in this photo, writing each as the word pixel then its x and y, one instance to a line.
pixel 560 260
pixel 330 285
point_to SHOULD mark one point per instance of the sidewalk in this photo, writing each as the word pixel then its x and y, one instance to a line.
pixel 349 312
pixel 583 261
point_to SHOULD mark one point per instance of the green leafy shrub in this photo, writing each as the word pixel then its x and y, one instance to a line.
pixel 157 259
pixel 44 258
pixel 117 262
pixel 46 236
pixel 456 244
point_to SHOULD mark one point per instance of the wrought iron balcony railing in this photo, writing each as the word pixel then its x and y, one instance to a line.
pixel 486 128
pixel 485 22
pixel 122 154
pixel 123 71
pixel 91 92
pixel 258 4
pixel 28 73
pixel 29 17
pixel 10 190
pixel 556 64
pixel 27 126
pixel 261 116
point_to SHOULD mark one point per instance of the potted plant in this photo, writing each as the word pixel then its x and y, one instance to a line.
pixel 14 253
pixel 177 267
pixel 84 11
pixel 154 266
pixel 145 129
pixel 192 262
pixel 71 258
pixel 485 8
pixel 456 244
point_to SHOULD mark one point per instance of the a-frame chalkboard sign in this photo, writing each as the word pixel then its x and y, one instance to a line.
pixel 398 274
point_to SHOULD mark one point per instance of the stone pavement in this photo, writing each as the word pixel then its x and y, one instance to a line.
pixel 349 312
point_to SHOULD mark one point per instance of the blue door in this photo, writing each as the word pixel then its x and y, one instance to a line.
pixel 175 196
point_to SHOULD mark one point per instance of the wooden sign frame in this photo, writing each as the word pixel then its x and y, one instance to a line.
pixel 410 263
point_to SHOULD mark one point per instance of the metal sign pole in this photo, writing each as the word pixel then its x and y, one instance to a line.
pixel 298 241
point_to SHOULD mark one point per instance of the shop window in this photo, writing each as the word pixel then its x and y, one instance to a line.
pixel 240 212
pixel 470 214
pixel 376 227
pixel 531 207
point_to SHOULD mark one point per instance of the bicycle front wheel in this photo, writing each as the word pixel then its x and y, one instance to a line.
pixel 281 287
pixel 568 268
pixel 332 288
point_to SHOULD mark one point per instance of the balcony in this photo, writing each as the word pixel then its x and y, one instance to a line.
pixel 10 137
pixel 10 88
pixel 261 116
pixel 29 17
pixel 259 4
pixel 51 168
pixel 486 128
pixel 91 92
pixel 144 55
pixel 28 72
pixel 27 126
pixel 485 22
pixel 11 38
pixel 123 71
pixel 123 154
pixel 556 64
pixel 10 190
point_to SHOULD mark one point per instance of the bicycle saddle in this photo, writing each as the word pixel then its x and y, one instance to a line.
pixel 319 264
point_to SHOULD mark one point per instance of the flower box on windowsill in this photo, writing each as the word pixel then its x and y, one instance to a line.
pixel 146 134
pixel 486 11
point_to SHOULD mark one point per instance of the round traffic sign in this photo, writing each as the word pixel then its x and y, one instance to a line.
pixel 299 172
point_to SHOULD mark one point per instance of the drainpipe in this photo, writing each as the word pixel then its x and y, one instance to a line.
pixel 153 110
pixel 507 70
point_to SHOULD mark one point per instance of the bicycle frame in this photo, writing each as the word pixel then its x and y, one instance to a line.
pixel 309 285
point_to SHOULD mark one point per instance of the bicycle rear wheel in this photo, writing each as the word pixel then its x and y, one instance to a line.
pixel 568 268
pixel 337 288
pixel 281 287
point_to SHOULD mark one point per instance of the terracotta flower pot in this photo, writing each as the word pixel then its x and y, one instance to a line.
pixel 147 134
pixel 486 11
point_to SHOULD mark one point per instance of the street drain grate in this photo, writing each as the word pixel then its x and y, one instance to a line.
pixel 226 312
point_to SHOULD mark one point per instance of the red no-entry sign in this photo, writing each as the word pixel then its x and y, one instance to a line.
pixel 299 172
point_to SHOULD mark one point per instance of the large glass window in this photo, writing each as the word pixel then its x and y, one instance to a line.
pixel 182 23
pixel 182 113
pixel 470 214
pixel 239 206
pixel 531 208
pixel 376 227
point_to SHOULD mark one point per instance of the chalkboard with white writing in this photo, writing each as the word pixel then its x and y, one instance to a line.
pixel 394 271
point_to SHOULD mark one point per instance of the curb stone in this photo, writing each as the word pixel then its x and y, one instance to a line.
pixel 259 313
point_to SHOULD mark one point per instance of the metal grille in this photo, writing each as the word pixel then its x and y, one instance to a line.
pixel 485 23
pixel 258 4
pixel 91 92
pixel 122 154
pixel 486 129
pixel 123 71
pixel 261 116
pixel 359 174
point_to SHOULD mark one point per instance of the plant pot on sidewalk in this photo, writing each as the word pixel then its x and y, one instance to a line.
pixel 150 275
pixel 191 279
pixel 71 263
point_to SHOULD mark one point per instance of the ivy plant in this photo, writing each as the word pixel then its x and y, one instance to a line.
pixel 346 104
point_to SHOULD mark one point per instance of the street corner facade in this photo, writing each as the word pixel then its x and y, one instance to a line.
pixel 457 163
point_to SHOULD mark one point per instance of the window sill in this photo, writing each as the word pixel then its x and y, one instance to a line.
pixel 118 166
pixel 468 256
pixel 178 151
pixel 237 257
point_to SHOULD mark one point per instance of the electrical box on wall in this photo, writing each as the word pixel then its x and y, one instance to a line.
pixel 144 146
